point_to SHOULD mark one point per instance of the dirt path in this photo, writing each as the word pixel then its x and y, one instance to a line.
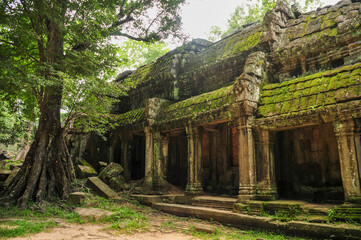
pixel 71 231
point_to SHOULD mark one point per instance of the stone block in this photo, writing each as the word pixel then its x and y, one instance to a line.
pixel 103 164
pixel 111 171
pixel 15 166
pixel 85 171
pixel 76 198
pixel 101 188
pixel 93 213
pixel 117 183
pixel 83 162
pixel 11 177
pixel 4 174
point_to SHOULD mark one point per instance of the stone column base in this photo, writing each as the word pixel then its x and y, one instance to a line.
pixel 246 193
pixel 194 189
pixel 353 199
pixel 266 193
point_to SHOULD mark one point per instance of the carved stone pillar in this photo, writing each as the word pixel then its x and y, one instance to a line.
pixel 160 157
pixel 266 180
pixel 194 184
pixel 149 158
pixel 125 158
pixel 348 153
pixel 246 156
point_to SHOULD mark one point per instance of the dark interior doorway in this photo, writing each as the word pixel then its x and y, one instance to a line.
pixel 177 159
pixel 307 164
pixel 138 157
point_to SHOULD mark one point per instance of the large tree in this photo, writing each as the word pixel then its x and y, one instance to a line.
pixel 48 48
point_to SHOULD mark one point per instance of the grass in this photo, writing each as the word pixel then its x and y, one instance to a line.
pixel 236 234
pixel 16 228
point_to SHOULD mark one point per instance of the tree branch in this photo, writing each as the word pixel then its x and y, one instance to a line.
pixel 22 49
pixel 140 39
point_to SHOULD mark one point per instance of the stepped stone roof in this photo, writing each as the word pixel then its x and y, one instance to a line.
pixel 311 92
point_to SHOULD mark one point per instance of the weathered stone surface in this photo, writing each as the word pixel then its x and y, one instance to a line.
pixel 93 213
pixel 103 164
pixel 84 162
pixel 85 171
pixel 117 183
pixel 4 174
pixel 204 228
pixel 101 188
pixel 110 171
pixel 76 198
pixel 11 177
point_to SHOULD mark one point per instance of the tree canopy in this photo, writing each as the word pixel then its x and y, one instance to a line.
pixel 57 54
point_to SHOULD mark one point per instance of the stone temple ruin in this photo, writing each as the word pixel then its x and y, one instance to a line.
pixel 270 112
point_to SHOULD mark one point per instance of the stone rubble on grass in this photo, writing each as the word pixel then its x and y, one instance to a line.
pixel 93 213
pixel 100 188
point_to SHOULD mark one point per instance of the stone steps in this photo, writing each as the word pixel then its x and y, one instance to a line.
pixel 224 203
pixel 312 229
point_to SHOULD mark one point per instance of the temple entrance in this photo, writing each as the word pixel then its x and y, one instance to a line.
pixel 137 157
pixel 307 164
pixel 220 159
pixel 177 165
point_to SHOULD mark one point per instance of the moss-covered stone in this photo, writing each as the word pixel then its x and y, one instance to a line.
pixel 311 92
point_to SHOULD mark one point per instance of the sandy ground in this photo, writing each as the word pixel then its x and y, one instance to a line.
pixel 67 231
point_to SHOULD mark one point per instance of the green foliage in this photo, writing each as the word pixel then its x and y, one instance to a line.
pixel 243 14
pixel 135 54
pixel 12 124
pixel 19 228
pixel 64 47
pixel 248 13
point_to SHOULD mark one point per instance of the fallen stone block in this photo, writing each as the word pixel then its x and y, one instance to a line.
pixel 11 177
pixel 4 174
pixel 103 164
pixel 85 171
pixel 76 198
pixel 93 213
pixel 110 171
pixel 204 228
pixel 117 183
pixel 101 188
pixel 83 162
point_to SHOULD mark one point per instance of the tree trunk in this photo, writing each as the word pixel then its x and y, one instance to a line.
pixel 47 169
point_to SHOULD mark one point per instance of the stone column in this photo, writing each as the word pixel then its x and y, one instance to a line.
pixel 246 156
pixel 266 179
pixel 149 158
pixel 194 184
pixel 160 156
pixel 349 162
pixel 126 156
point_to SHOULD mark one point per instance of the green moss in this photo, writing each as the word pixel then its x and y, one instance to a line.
pixel 199 104
pixel 311 92
pixel 131 117
pixel 246 43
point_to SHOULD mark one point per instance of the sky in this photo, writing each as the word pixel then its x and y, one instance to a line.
pixel 199 15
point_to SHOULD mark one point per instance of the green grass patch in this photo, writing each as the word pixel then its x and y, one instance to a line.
pixel 20 228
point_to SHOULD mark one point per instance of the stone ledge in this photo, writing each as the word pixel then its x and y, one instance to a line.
pixel 343 231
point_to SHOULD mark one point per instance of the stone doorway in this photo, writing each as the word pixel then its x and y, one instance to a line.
pixel 307 164
pixel 220 160
pixel 177 165
pixel 137 170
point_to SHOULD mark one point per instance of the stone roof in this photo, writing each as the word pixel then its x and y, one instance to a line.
pixel 199 106
pixel 131 118
pixel 311 92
